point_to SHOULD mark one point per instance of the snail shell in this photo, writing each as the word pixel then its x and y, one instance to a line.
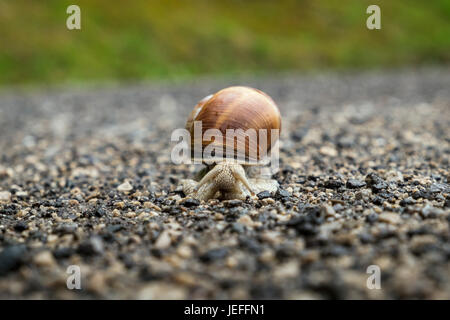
pixel 237 108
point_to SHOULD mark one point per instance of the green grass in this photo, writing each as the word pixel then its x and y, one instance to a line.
pixel 132 40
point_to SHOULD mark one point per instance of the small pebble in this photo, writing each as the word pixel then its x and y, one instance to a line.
pixel 125 187
pixel 264 195
pixel 5 196
pixel 214 255
pixel 44 259
pixel 163 240
pixel 355 184
pixel 189 203
pixel 392 218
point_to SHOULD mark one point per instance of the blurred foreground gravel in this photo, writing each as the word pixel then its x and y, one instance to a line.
pixel 86 179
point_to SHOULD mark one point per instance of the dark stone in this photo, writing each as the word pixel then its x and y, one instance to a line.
pixel 355 184
pixel 301 180
pixel 439 187
pixel 281 193
pixel 201 216
pixel 287 170
pixel 386 195
pixel 303 225
pixel 91 247
pixel 108 237
pixel 447 203
pixel 407 201
pixel 11 258
pixel 145 274
pixel 265 291
pixel 365 238
pixel 250 244
pixel 100 212
pixel 20 226
pixel 419 231
pixel 9 209
pixel 264 195
pixel 173 211
pixel 386 234
pixel 265 216
pixel 238 227
pixel 214 255
pixel 333 184
pixel 379 186
pixel 158 253
pixel 334 251
pixel 378 200
pixel 63 253
pixel 284 252
pixel 287 203
pixel 375 182
pixel 436 177
pixel 359 119
pixel 430 212
pixel 127 260
pixel 416 195
pixel 315 215
pixel 232 203
pixel 298 135
pixel 189 203
pixel 422 194
pixel 311 184
pixel 115 227
pixel 226 284
pixel 372 217
pixel 202 225
pixel 66 228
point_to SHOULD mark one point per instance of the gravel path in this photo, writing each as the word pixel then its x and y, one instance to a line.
pixel 86 179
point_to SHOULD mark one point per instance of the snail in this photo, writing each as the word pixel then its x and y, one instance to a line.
pixel 243 111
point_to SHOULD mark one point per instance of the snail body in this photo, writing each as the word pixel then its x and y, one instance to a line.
pixel 254 121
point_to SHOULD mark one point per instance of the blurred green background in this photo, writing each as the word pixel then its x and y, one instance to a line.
pixel 133 40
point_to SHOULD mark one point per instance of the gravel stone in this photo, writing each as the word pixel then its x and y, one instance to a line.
pixel 20 226
pixel 439 187
pixel 375 182
pixel 388 217
pixel 5 196
pixel 355 184
pixel 189 203
pixel 125 187
pixel 214 255
pixel 91 247
pixel 11 258
pixel 44 259
pixel 264 195
pixel 333 184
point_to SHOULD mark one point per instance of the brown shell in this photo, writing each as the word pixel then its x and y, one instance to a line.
pixel 236 108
